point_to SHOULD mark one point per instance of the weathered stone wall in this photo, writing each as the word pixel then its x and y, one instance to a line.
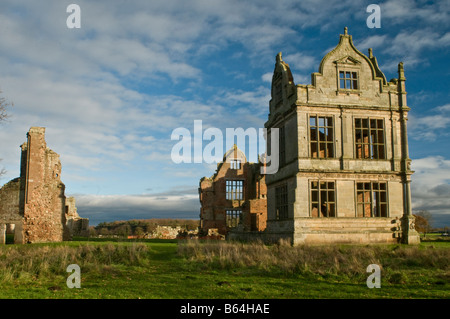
pixel 373 97
pixel 214 204
pixel 35 202
pixel 165 232
pixel 44 205
pixel 9 199
pixel 10 219
pixel 75 225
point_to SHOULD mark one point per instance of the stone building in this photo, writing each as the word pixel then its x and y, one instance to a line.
pixel 34 204
pixel 344 173
pixel 234 197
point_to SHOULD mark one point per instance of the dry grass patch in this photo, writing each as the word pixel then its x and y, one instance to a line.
pixel 32 262
pixel 347 260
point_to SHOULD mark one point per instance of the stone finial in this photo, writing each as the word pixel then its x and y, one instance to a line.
pixel 345 31
pixel 401 72
pixel 370 53
pixel 279 57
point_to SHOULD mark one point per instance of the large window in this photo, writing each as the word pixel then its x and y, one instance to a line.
pixel 234 190
pixel 321 136
pixel 371 199
pixel 233 216
pixel 348 80
pixel 323 199
pixel 369 138
pixel 281 202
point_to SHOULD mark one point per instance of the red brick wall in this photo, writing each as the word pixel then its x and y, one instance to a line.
pixel 212 192
pixel 44 200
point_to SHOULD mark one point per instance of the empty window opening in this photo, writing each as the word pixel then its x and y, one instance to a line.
pixel 369 138
pixel 235 164
pixel 371 199
pixel 234 189
pixel 323 199
pixel 321 136
pixel 10 233
pixel 233 217
pixel 281 202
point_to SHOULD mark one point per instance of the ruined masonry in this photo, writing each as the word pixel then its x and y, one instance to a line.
pixel 234 197
pixel 34 205
pixel 345 171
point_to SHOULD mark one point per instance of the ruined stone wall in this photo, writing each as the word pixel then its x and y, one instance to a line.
pixel 44 205
pixel 75 225
pixel 10 219
pixel 214 203
pixel 9 199
pixel 35 202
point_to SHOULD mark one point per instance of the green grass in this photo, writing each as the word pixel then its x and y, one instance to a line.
pixel 167 269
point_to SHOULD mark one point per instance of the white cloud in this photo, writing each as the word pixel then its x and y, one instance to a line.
pixel 374 41
pixel 267 77
pixel 429 127
pixel 400 11
pixel 431 187
pixel 111 92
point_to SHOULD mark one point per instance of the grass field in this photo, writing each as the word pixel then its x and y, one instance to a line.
pixel 208 270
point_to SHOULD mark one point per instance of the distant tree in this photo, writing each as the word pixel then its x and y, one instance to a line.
pixel 92 231
pixel 138 231
pixel 123 230
pixel 4 105
pixel 423 221
pixel 104 231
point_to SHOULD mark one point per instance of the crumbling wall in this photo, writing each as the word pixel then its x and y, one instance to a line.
pixel 10 219
pixel 165 232
pixel 44 204
pixel 215 196
pixel 35 202
pixel 75 225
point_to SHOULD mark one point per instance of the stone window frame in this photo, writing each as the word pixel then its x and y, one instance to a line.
pixel 317 141
pixel 234 189
pixel 371 145
pixel 373 189
pixel 352 80
pixel 281 202
pixel 233 217
pixel 235 164
pixel 315 201
pixel 350 65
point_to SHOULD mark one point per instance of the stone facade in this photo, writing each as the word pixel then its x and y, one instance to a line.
pixel 234 197
pixel 76 226
pixel 344 174
pixel 35 202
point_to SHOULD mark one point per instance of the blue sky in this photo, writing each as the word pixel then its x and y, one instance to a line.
pixel 111 93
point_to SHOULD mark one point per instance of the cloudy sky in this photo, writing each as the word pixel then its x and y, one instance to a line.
pixel 111 92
